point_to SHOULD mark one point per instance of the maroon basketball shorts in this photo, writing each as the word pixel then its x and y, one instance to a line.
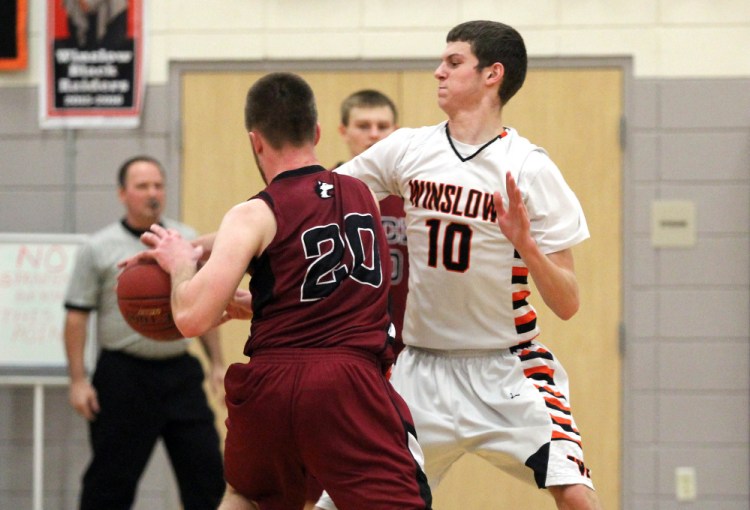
pixel 329 413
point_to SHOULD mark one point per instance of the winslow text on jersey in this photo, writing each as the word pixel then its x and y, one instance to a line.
pixel 450 199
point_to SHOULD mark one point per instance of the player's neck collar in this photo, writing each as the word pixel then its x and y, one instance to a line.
pixel 480 149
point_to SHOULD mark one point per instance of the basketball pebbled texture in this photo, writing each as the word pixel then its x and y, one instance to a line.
pixel 143 295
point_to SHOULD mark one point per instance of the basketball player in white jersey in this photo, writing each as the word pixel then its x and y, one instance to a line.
pixel 485 209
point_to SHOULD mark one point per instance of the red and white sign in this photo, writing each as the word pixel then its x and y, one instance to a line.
pixel 93 68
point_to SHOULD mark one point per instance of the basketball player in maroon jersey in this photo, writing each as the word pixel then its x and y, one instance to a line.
pixel 368 116
pixel 313 397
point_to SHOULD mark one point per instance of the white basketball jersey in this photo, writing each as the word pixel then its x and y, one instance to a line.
pixel 467 287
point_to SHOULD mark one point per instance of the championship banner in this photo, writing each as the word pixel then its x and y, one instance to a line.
pixel 93 64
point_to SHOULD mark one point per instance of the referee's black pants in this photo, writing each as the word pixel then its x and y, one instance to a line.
pixel 142 401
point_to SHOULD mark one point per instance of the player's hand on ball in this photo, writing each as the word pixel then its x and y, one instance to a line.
pixel 170 249
pixel 138 258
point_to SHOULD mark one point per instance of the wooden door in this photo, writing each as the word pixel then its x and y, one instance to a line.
pixel 574 113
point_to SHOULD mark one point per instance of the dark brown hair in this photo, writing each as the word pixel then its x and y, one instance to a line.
pixel 281 106
pixel 492 42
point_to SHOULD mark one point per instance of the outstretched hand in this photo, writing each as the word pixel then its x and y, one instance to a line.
pixel 514 220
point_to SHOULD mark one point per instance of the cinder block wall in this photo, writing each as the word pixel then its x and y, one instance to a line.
pixel 686 380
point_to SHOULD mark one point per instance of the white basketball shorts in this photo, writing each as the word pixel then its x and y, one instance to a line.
pixel 508 406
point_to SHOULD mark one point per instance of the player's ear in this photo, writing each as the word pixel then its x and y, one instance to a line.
pixel 255 141
pixel 317 133
pixel 495 72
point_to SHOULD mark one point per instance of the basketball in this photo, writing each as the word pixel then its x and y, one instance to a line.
pixel 143 295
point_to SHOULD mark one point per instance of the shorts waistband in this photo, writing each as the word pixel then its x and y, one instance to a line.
pixel 460 353
pixel 304 355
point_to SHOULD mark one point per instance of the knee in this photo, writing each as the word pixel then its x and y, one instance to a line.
pixel 575 497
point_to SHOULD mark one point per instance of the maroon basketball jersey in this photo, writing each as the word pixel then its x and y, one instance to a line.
pixel 324 279
pixel 392 216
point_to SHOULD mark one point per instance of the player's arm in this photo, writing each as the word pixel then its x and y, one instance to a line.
pixel 555 279
pixel 206 243
pixel 211 342
pixel 553 274
pixel 375 166
pixel 240 307
pixel 199 298
pixel 82 395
